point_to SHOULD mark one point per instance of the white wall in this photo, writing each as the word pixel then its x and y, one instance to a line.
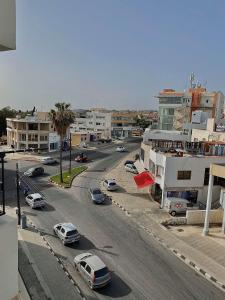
pixel 8 258
pixel 7 25
pixel 196 164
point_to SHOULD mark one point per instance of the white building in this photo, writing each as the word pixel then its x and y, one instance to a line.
pixel 93 121
pixel 181 169
pixel 8 227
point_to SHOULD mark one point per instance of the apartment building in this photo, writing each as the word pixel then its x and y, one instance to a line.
pixel 181 168
pixel 96 122
pixel 8 225
pixel 176 108
pixel 33 131
pixel 214 131
pixel 124 123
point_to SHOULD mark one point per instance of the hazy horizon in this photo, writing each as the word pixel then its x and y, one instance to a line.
pixel 112 54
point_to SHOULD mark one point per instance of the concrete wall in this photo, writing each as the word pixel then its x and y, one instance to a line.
pixel 195 164
pixel 7 25
pixel 195 217
pixel 8 258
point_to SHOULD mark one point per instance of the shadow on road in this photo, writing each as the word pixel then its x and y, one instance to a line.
pixel 116 289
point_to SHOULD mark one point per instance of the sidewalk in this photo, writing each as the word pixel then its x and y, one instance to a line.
pixel 205 254
pixel 39 269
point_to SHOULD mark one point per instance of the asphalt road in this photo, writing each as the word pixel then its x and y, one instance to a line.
pixel 141 268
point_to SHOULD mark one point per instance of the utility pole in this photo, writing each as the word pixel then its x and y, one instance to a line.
pixel 18 193
pixel 70 155
pixel 2 156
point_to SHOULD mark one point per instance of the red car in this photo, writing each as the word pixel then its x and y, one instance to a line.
pixel 81 158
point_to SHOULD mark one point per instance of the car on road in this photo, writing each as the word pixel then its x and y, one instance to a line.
pixel 120 149
pixel 32 172
pixel 128 162
pixel 131 168
pixel 81 157
pixel 97 196
pixel 48 160
pixel 67 233
pixel 92 269
pixel 35 200
pixel 110 184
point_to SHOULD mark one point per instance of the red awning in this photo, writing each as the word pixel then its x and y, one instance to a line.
pixel 143 179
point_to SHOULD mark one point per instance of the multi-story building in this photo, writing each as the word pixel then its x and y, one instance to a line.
pixel 214 131
pixel 176 108
pixel 124 123
pixel 181 168
pixel 96 122
pixel 32 132
pixel 169 100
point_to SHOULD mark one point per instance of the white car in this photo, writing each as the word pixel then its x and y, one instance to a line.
pixel 92 269
pixel 120 149
pixel 48 160
pixel 110 184
pixel 35 200
pixel 131 168
pixel 67 233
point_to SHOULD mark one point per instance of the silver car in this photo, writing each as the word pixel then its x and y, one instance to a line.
pixel 131 168
pixel 35 200
pixel 96 195
pixel 92 269
pixel 67 233
pixel 110 185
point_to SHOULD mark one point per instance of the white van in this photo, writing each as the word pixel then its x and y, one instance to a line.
pixel 175 205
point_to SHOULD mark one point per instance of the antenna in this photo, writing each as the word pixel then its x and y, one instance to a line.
pixel 192 80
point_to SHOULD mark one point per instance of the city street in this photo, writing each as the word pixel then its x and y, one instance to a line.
pixel 141 268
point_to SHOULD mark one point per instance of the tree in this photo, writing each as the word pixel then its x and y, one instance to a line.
pixel 61 118
pixel 5 112
pixel 142 122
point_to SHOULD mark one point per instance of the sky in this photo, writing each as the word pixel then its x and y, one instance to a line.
pixel 116 54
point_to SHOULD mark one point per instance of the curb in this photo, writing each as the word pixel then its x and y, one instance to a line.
pixel 58 260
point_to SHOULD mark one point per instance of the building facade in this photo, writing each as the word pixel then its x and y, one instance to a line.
pixel 29 132
pixel 176 108
pixel 181 169
pixel 97 122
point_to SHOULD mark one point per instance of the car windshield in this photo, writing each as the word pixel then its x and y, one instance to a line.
pixel 31 170
pixel 101 272
pixel 71 232
pixel 96 192
pixel 38 199
pixel 112 183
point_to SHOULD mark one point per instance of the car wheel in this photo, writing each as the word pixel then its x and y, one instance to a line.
pixel 173 213
pixel 54 231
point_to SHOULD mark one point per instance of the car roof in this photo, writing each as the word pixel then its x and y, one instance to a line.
pixel 35 195
pixel 93 260
pixel 110 180
pixel 94 189
pixel 130 165
pixel 175 199
pixel 47 157
pixel 68 226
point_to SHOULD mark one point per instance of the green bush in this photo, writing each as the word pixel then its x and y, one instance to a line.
pixel 67 177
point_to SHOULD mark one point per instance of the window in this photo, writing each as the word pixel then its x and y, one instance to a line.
pixel 32 126
pixel 183 175
pixel 43 137
pixel 88 269
pixel 206 177
pixel 97 123
pixel 63 230
pixel 83 264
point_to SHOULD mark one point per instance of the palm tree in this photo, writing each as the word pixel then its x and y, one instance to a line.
pixel 61 118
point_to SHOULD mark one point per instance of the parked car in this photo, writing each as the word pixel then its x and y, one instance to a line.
pixel 97 196
pixel 67 233
pixel 34 172
pixel 176 206
pixel 128 162
pixel 92 269
pixel 131 168
pixel 81 157
pixel 35 200
pixel 48 160
pixel 110 184
pixel 120 149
